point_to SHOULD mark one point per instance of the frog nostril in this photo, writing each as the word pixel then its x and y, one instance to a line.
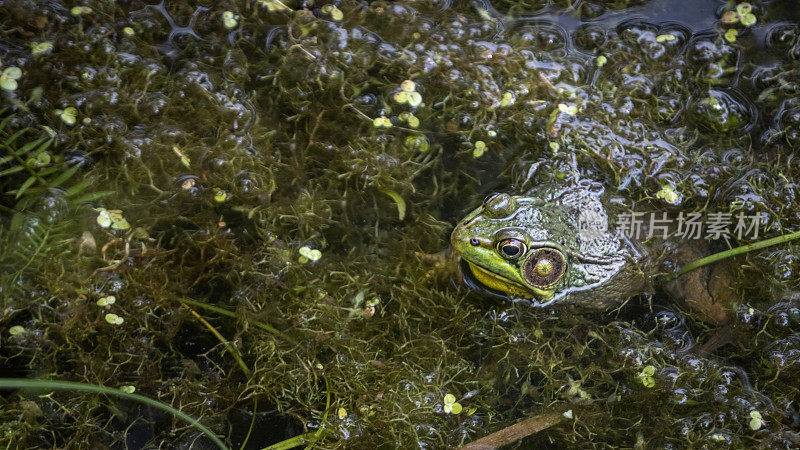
pixel 474 242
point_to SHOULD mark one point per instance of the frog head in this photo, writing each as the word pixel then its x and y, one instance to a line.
pixel 549 245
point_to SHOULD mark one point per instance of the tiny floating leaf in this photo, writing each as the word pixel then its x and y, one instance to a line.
pixel 9 77
pixel 114 319
pixel 39 48
pixel 398 199
pixel 408 86
pixel 665 37
pixel 68 115
pixel 414 99
pixel 106 300
pixel 229 19
pixel 744 8
pixel 748 19
pixel 730 17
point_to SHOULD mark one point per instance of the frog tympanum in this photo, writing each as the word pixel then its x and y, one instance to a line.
pixel 557 246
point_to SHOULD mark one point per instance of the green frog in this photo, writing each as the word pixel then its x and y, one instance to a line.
pixel 558 246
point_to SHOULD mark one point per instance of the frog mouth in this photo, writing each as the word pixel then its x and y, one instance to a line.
pixel 491 281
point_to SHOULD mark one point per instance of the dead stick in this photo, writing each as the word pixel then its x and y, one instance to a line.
pixel 516 432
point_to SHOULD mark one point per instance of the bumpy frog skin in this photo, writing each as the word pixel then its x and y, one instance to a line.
pixel 551 246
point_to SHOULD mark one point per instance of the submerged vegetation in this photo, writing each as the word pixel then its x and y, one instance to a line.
pixel 226 207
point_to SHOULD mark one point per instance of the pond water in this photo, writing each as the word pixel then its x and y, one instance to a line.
pixel 237 208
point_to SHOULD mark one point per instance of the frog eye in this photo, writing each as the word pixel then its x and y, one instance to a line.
pixel 544 268
pixel 511 248
pixel 490 196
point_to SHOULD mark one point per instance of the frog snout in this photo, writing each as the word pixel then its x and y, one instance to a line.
pixel 463 235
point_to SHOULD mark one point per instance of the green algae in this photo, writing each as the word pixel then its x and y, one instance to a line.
pixel 277 113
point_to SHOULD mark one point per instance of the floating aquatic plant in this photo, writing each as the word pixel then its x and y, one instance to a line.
pixel 9 77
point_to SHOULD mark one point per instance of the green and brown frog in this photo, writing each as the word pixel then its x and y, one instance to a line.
pixel 559 246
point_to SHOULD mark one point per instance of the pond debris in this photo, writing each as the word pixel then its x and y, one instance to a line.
pixel 185 160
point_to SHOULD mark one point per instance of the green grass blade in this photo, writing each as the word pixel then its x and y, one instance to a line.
pixel 24 187
pixel 14 137
pixel 735 251
pixel 92 196
pixel 28 147
pixel 19 383
pixel 292 442
pixel 11 170
pixel 66 175
pixel 78 188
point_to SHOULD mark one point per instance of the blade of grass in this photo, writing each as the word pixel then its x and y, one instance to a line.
pixel 292 442
pixel 78 187
pixel 307 438
pixel 24 187
pixel 231 349
pixel 733 252
pixel 64 176
pixel 90 197
pixel 225 312
pixel 19 383
pixel 252 424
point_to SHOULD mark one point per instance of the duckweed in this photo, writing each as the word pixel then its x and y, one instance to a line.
pixel 68 115
pixel 230 20
pixel 106 300
pixel 111 219
pixel 9 77
pixel 41 48
pixel 114 319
